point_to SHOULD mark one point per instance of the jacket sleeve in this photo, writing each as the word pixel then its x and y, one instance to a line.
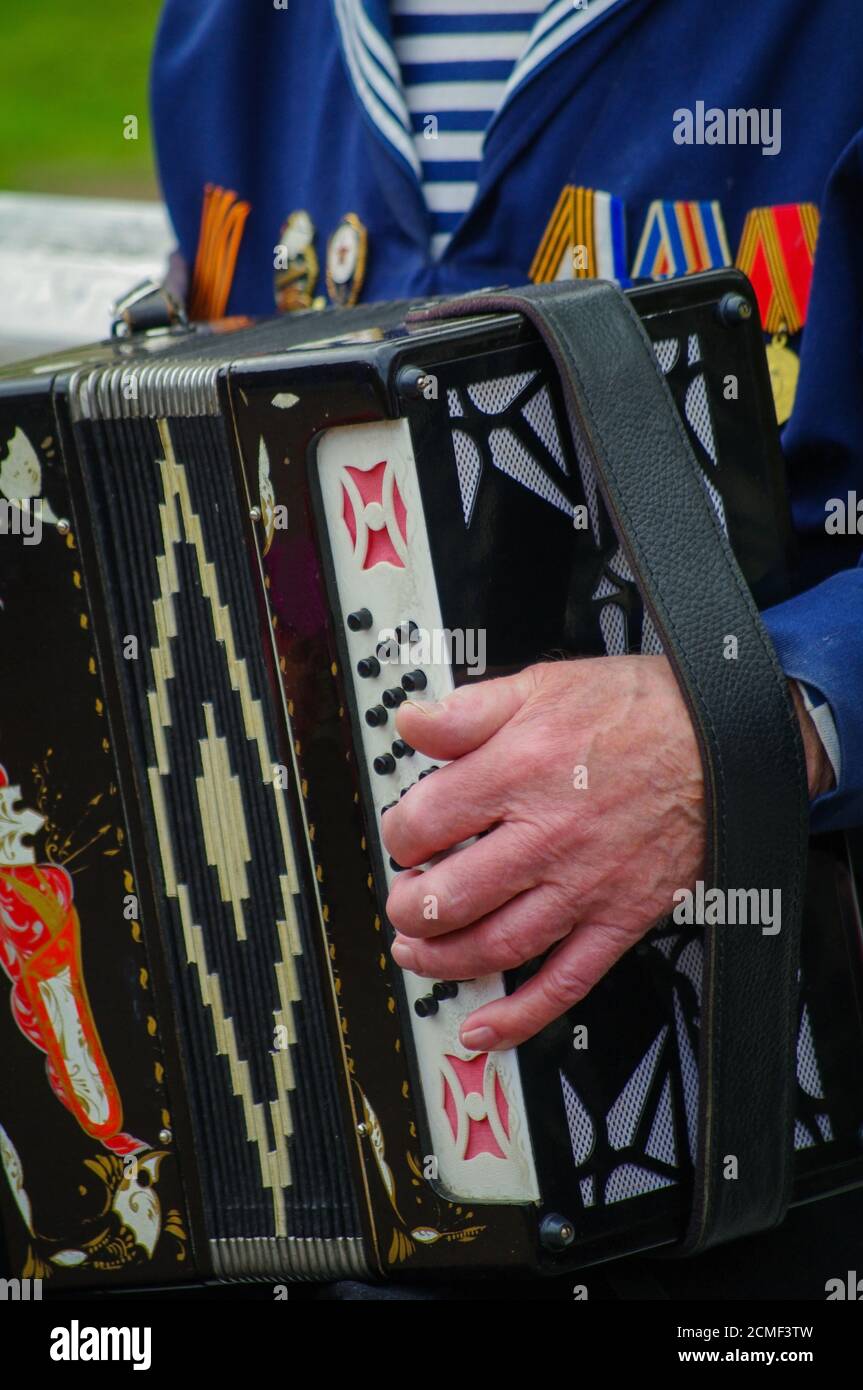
pixel 818 633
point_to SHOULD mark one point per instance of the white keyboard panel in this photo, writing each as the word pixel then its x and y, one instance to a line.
pixel 386 584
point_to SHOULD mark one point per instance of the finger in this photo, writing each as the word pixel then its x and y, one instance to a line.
pixel 458 801
pixel 464 719
pixel 522 928
pixel 459 890
pixel 569 973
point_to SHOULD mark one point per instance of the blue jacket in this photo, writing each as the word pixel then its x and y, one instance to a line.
pixel 300 108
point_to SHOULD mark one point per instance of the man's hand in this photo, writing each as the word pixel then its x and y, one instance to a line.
pixel 587 777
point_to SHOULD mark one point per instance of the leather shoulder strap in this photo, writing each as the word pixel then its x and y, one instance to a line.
pixel 751 749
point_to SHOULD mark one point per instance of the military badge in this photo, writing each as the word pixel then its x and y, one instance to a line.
pixel 346 260
pixel 296 264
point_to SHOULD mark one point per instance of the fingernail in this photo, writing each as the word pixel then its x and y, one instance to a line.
pixel 430 706
pixel 403 955
pixel 479 1039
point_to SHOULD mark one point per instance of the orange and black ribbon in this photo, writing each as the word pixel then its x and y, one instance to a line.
pixel 777 252
pixel 223 221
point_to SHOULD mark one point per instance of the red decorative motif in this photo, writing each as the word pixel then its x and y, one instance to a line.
pixel 40 952
pixel 375 515
pixel 472 1107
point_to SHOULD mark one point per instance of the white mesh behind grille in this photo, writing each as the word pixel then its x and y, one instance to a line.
pixel 580 1124
pixel 718 507
pixel 697 412
pixel 666 351
pixel 808 1071
pixel 688 1076
pixel 624 1115
pixel 539 414
pixel 510 456
pixel 611 620
pixel 631 1181
pixel 453 403
pixel 803 1137
pixel 491 397
pixel 588 478
pixel 693 349
pixel 468 464
pixel 661 1143
pixel 690 963
pixel 650 641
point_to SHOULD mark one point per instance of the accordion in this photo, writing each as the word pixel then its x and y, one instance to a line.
pixel 219 548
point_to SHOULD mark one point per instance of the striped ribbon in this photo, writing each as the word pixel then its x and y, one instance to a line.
pixel 777 252
pixel 679 238
pixel 223 221
pixel 585 238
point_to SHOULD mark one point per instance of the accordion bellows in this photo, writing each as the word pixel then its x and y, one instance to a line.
pixel 212 1069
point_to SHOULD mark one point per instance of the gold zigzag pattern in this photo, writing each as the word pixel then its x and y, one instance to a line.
pixel 227 848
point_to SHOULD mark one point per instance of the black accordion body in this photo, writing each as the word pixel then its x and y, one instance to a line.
pixel 219 547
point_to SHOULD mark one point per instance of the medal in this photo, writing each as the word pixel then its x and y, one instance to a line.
pixel 585 239
pixel 296 264
pixel 777 251
pixel 784 368
pixel 346 260
pixel 679 238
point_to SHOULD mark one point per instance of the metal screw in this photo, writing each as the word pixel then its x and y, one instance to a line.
pixel 64 526
pixel 165 1136
pixel 363 1129
pixel 255 513
pixel 555 1232
pixel 733 308
pixel 411 381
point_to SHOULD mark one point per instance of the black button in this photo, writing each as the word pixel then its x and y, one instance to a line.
pixel 426 1006
pixel 427 771
pixel 415 680
pixel 445 989
pixel 407 631
pixel 389 806
pixel 376 716
pixel 399 868
pixel 402 749
pixel 369 666
pixel 383 763
pixel 360 620
pixel 393 698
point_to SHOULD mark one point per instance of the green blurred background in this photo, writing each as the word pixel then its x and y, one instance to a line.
pixel 72 71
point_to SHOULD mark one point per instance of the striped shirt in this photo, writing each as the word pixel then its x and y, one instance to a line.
pixel 456 57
